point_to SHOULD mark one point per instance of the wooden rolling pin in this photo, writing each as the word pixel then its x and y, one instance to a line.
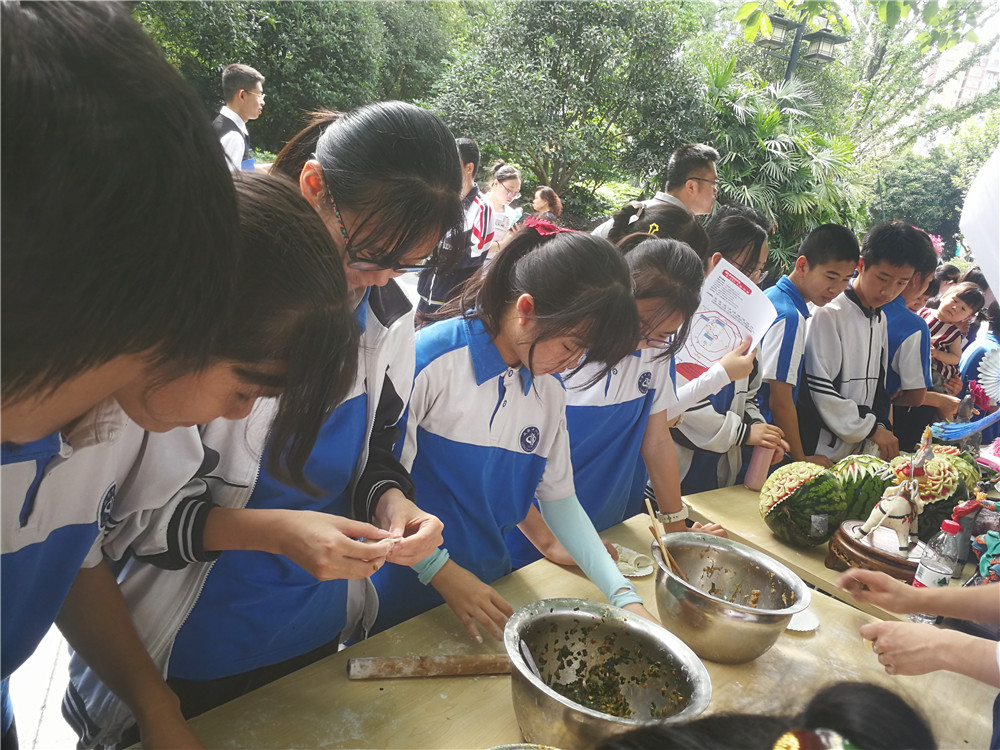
pixel 388 667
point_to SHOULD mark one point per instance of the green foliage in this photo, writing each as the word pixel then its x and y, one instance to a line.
pixel 313 54
pixel 578 92
pixel 774 159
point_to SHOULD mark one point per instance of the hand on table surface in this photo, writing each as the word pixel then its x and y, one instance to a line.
pixel 820 460
pixel 418 532
pixel 880 589
pixel 715 529
pixel 472 601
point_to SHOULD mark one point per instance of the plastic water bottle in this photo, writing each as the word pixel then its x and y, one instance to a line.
pixel 937 563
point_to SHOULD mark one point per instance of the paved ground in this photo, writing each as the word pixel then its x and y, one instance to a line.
pixel 37 690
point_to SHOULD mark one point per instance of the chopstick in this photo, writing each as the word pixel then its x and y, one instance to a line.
pixel 657 531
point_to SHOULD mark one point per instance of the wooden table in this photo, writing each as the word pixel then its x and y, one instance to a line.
pixel 318 707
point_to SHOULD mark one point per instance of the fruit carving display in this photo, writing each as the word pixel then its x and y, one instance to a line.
pixel 941 488
pixel 863 480
pixel 803 504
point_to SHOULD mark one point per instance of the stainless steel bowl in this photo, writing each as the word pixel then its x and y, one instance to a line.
pixel 660 678
pixel 714 613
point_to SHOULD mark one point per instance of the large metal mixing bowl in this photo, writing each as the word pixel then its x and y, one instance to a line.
pixel 625 658
pixel 738 600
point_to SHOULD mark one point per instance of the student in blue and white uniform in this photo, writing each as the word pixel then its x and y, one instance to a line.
pixel 278 597
pixel 139 447
pixel 486 430
pixel 972 359
pixel 94 261
pixel 712 435
pixel 618 427
pixel 826 261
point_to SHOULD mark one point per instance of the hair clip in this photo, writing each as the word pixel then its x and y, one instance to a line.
pixel 813 739
pixel 653 228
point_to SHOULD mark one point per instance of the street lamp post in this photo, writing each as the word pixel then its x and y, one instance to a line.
pixel 820 49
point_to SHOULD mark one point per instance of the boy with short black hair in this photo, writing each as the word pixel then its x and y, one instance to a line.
pixel 827 259
pixel 243 92
pixel 845 402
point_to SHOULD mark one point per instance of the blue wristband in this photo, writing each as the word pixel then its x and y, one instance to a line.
pixel 427 568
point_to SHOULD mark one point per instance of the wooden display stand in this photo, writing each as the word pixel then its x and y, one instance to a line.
pixel 877 551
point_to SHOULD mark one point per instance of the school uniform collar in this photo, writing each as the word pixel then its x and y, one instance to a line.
pixel 231 114
pixel 897 302
pixel 486 360
pixel 361 311
pixel 470 197
pixel 787 286
pixel 868 312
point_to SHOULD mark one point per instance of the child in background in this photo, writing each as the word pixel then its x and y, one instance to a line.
pixel 955 307
pixel 844 401
pixel 618 428
pixel 486 426
pixel 711 437
pixel 826 261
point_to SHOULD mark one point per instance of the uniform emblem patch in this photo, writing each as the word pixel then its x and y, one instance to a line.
pixel 104 514
pixel 529 439
pixel 644 382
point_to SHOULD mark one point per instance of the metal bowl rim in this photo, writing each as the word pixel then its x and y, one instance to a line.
pixel 688 657
pixel 803 597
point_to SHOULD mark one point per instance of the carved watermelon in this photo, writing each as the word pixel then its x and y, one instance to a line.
pixel 967 471
pixel 863 480
pixel 941 488
pixel 803 504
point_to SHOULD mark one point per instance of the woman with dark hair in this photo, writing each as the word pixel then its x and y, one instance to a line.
pixel 867 716
pixel 947 274
pixel 291 552
pixel 505 187
pixel 291 333
pixel 618 428
pixel 713 433
pixel 636 222
pixel 485 431
pixel 547 205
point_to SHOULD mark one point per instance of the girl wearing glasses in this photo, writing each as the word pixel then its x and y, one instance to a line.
pixel 506 187
pixel 618 426
pixel 485 431
pixel 714 432
pixel 292 585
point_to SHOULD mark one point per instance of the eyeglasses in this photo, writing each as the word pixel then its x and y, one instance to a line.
pixel 364 264
pixel 756 272
pixel 654 343
pixel 713 183
pixel 512 195
pixel 261 94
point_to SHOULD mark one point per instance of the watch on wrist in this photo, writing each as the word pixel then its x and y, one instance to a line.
pixel 679 515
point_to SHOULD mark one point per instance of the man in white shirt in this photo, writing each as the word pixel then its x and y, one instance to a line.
pixel 243 90
pixel 691 182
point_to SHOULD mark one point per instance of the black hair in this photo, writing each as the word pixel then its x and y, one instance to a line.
pixel 686 160
pixel 976 276
pixel 969 293
pixel 580 284
pixel 866 715
pixel 292 307
pixel 468 150
pixel 551 197
pixel 504 171
pixel 993 313
pixel 664 220
pixel 119 220
pixel 237 77
pixel 830 243
pixel 301 147
pixel 933 287
pixel 396 166
pixel 947 272
pixel 669 271
pixel 737 239
pixel 898 244
pixel 747 212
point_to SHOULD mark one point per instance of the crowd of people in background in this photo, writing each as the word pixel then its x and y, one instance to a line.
pixel 213 389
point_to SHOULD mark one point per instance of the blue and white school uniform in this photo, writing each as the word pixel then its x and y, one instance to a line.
pixel 783 346
pixel 244 609
pixel 59 495
pixel 909 349
pixel 607 423
pixel 482 440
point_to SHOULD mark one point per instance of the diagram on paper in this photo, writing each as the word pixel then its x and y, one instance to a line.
pixel 712 335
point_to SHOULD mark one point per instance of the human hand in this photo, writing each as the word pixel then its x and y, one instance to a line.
pixel 419 532
pixel 880 589
pixel 954 386
pixel 472 601
pixel 739 362
pixel 888 444
pixel 715 529
pixel 638 609
pixel 907 647
pixel 327 546
pixel 947 406
pixel 166 729
pixel 820 460
pixel 768 435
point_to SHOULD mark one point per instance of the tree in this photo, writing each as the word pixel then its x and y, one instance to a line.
pixel 577 92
